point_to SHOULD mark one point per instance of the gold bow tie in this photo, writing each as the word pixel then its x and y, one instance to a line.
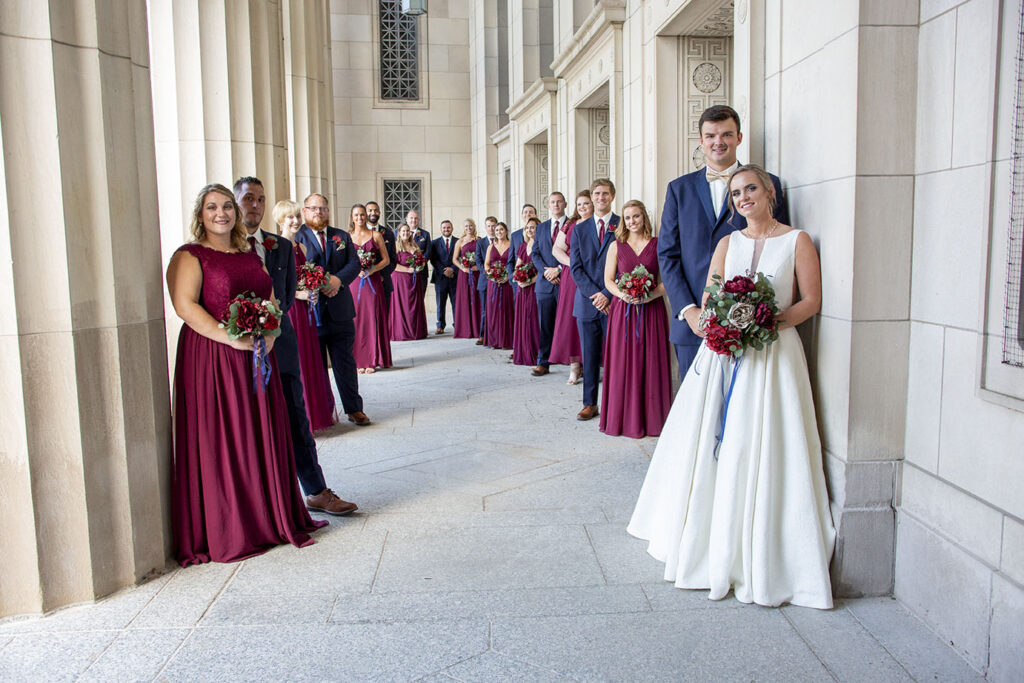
pixel 715 175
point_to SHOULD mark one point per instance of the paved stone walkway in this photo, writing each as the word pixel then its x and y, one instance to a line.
pixel 490 545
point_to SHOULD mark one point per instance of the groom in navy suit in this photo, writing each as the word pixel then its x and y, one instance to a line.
pixel 332 249
pixel 548 272
pixel 443 275
pixel 694 218
pixel 590 240
pixel 278 258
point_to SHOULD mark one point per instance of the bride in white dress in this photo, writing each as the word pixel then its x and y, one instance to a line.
pixel 755 517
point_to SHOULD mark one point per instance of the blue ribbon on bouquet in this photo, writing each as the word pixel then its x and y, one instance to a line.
pixel 260 364
pixel 727 395
pixel 636 320
pixel 364 281
pixel 313 309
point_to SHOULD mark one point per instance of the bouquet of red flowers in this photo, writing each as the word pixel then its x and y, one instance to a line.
pixel 468 259
pixel 367 258
pixel 313 279
pixel 740 313
pixel 524 272
pixel 260 318
pixel 636 284
pixel 417 261
pixel 496 272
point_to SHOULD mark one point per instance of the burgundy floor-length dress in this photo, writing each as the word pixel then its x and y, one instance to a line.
pixel 234 492
pixel 526 337
pixel 500 311
pixel 467 300
pixel 408 315
pixel 372 348
pixel 565 341
pixel 316 387
pixel 636 394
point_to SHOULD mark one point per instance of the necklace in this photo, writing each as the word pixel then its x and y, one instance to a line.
pixel 775 224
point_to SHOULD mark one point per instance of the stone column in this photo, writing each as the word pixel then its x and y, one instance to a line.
pixel 86 419
pixel 310 98
pixel 484 97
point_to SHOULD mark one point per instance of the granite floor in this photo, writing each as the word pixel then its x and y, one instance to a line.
pixel 490 545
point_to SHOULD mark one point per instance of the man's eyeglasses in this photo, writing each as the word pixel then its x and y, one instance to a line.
pixel 316 209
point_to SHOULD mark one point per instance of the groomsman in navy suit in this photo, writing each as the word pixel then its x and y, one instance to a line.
pixel 482 245
pixel 278 258
pixel 443 275
pixel 529 211
pixel 694 218
pixel 373 223
pixel 422 239
pixel 590 240
pixel 332 248
pixel 548 271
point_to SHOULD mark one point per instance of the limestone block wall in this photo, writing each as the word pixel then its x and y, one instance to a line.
pixel 960 536
pixel 430 139
pixel 85 433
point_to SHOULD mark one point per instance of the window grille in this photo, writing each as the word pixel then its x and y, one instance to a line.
pixel 399 53
pixel 1013 321
pixel 401 197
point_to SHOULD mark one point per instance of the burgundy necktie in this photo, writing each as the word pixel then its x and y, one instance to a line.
pixel 323 241
pixel 252 244
pixel 600 231
pixel 554 230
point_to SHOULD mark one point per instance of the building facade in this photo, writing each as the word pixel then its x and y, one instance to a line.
pixel 894 126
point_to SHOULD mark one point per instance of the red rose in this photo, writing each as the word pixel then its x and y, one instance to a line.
pixel 764 317
pixel 248 316
pixel 721 339
pixel 272 323
pixel 336 239
pixel 270 243
pixel 739 285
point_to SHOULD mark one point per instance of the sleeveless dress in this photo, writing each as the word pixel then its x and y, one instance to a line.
pixel 467 300
pixel 565 340
pixel 408 315
pixel 316 387
pixel 234 491
pixel 500 309
pixel 636 394
pixel 756 518
pixel 526 333
pixel 372 347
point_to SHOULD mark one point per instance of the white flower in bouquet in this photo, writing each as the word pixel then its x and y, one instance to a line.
pixel 741 315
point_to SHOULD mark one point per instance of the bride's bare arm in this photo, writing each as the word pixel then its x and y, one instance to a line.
pixel 808 282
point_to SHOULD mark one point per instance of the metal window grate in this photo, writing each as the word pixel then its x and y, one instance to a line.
pixel 401 197
pixel 399 53
pixel 1013 321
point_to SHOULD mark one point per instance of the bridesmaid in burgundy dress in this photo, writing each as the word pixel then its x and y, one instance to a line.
pixel 408 316
pixel 526 336
pixel 500 312
pixel 636 393
pixel 316 387
pixel 467 302
pixel 234 491
pixel 372 348
pixel 565 342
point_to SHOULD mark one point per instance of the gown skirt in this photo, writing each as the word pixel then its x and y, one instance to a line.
pixel 565 340
pixel 526 333
pixel 372 348
pixel 754 516
pixel 316 386
pixel 636 394
pixel 234 491
pixel 408 316
pixel 500 312
pixel 467 301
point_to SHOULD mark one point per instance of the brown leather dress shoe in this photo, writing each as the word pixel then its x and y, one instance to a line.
pixel 540 371
pixel 439 330
pixel 480 341
pixel 359 419
pixel 588 413
pixel 329 502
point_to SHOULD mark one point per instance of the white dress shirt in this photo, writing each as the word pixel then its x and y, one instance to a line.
pixel 719 190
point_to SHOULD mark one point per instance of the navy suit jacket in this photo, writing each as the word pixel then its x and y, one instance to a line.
pixel 543 258
pixel 340 261
pixel 441 258
pixel 517 241
pixel 689 234
pixel 389 242
pixel 586 261
pixel 280 264
pixel 482 245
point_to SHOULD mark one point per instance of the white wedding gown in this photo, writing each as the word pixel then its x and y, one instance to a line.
pixel 756 519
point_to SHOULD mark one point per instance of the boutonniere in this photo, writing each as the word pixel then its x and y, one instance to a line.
pixel 339 243
pixel 270 243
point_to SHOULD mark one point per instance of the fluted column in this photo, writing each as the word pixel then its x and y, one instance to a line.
pixel 310 98
pixel 85 427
